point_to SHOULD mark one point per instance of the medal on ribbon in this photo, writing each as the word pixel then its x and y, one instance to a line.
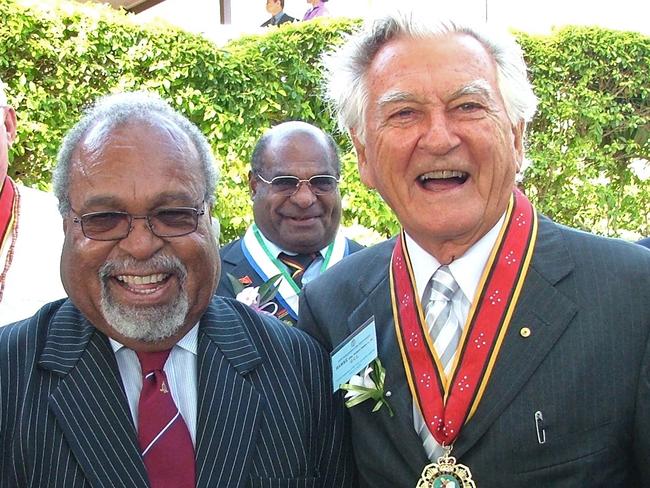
pixel 448 402
pixel 446 474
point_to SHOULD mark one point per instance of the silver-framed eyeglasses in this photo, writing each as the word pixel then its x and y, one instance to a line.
pixel 287 185
pixel 163 222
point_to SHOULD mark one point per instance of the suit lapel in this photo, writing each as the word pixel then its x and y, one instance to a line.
pixel 399 428
pixel 89 402
pixel 238 265
pixel 229 408
pixel 543 310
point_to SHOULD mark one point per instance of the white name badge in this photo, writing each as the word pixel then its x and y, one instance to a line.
pixel 354 353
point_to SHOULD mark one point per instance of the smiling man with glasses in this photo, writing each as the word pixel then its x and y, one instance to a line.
pixel 294 177
pixel 145 378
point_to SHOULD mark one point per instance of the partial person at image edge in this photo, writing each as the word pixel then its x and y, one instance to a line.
pixel 31 236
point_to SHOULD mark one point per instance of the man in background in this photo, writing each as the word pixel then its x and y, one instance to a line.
pixel 513 350
pixel 294 176
pixel 30 236
pixel 144 378
pixel 278 17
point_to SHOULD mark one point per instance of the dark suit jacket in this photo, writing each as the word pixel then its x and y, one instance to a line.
pixel 234 262
pixel 265 415
pixel 283 19
pixel 585 367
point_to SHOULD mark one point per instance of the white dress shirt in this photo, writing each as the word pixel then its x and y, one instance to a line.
pixel 181 372
pixel 467 271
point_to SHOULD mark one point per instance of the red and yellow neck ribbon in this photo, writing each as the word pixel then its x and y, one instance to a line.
pixel 447 403
pixel 7 210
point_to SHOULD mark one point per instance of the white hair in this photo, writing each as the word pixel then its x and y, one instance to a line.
pixel 113 110
pixel 346 68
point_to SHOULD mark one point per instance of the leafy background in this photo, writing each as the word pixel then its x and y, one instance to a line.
pixel 591 132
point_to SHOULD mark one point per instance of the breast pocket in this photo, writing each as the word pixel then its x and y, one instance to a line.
pixel 573 449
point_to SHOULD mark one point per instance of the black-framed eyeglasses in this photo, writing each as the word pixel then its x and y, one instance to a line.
pixel 287 185
pixel 163 222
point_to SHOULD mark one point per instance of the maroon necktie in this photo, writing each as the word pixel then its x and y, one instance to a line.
pixel 297 264
pixel 165 442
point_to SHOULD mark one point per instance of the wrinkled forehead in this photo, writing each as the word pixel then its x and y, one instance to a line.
pixel 452 64
pixel 145 149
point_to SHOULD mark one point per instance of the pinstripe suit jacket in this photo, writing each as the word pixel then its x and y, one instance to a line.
pixel 265 411
pixel 585 366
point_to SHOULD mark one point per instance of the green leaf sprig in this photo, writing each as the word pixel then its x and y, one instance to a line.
pixel 368 386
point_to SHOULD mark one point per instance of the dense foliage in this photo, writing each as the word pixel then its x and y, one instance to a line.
pixel 593 124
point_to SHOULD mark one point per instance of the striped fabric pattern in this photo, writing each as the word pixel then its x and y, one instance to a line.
pixel 265 415
pixel 444 327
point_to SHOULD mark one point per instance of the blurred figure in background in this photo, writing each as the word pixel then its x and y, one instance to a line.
pixel 278 17
pixel 318 9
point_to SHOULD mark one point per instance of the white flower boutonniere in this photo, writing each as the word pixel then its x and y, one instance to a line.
pixel 257 297
pixel 368 385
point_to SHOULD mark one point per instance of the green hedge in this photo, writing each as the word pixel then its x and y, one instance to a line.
pixel 594 118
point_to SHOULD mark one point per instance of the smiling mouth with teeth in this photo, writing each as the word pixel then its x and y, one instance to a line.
pixel 446 176
pixel 133 280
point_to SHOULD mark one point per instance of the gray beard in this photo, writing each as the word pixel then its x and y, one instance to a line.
pixel 148 324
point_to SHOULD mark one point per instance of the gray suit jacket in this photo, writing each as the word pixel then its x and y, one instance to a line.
pixel 265 414
pixel 585 367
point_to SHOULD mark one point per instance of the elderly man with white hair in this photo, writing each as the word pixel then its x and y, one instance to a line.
pixel 31 236
pixel 513 351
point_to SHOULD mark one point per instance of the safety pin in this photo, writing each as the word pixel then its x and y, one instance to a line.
pixel 539 427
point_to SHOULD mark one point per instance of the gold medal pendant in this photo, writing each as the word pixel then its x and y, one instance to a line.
pixel 446 474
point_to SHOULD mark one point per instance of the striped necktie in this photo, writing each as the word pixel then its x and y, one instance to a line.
pixel 164 439
pixel 445 330
pixel 444 327
pixel 297 264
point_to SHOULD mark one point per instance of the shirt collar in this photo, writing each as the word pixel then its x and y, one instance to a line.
pixel 189 341
pixel 467 269
pixel 275 250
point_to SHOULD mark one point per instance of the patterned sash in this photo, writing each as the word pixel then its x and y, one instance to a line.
pixel 266 265
pixel 447 404
pixel 7 210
